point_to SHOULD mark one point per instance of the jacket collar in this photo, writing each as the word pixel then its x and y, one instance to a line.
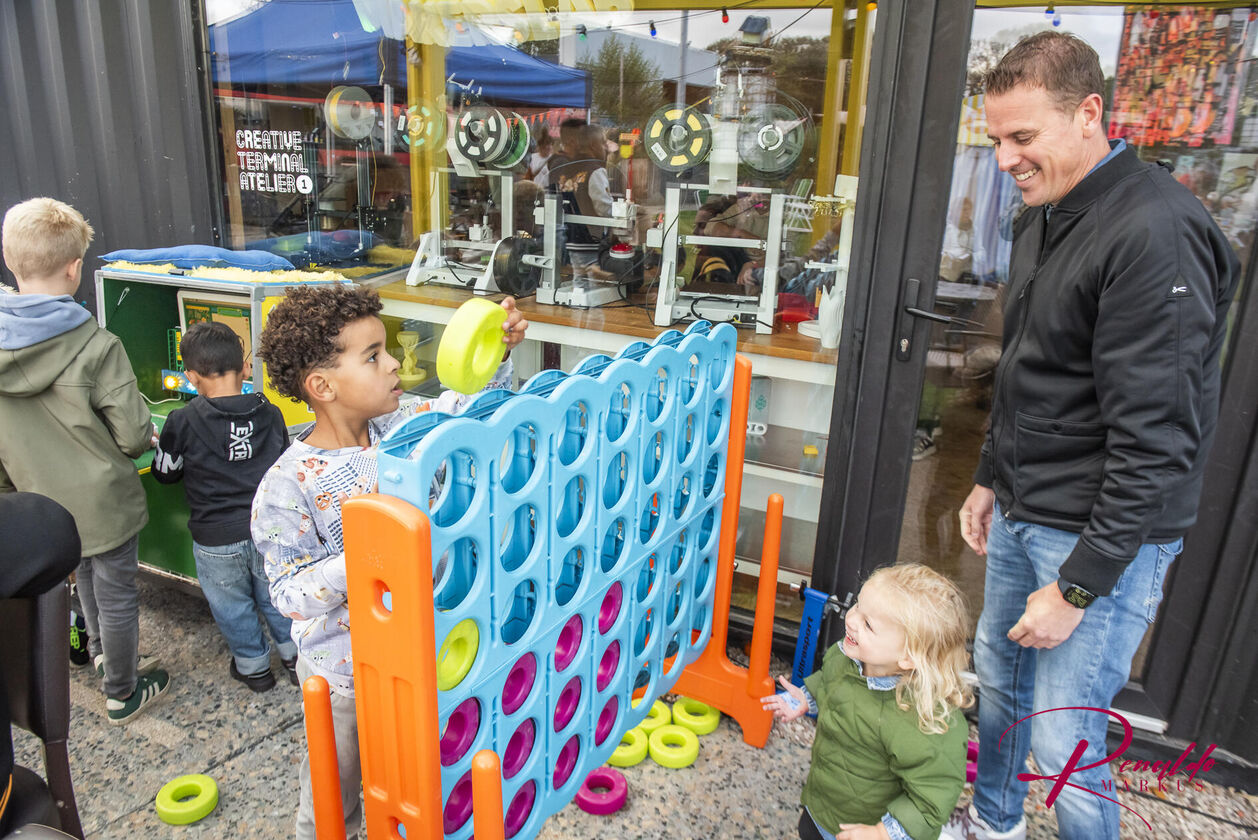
pixel 1100 180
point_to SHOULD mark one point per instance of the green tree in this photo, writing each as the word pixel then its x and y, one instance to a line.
pixel 626 86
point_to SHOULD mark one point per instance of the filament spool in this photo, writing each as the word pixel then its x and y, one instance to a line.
pixel 677 138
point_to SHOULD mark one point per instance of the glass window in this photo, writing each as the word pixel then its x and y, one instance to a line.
pixel 1179 89
pixel 574 157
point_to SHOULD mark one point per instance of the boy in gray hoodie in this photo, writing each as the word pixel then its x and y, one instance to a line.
pixel 73 420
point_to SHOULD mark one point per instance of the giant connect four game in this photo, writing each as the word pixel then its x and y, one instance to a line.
pixel 549 563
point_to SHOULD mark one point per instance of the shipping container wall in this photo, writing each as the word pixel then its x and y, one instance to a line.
pixel 101 107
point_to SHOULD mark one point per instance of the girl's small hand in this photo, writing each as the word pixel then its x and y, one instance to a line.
pixel 782 709
pixel 850 831
pixel 513 330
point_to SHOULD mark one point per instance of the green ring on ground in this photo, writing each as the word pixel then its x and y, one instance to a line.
pixel 674 746
pixel 174 805
pixel 457 654
pixel 633 748
pixel 660 715
pixel 699 718
pixel 471 347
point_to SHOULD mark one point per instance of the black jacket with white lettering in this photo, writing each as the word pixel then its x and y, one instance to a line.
pixel 1106 395
pixel 220 447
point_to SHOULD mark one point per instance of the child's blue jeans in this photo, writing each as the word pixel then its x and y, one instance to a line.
pixel 234 582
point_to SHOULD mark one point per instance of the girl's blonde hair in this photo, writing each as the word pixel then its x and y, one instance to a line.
pixel 933 613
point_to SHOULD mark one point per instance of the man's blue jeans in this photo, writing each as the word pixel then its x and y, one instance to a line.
pixel 234 582
pixel 1088 669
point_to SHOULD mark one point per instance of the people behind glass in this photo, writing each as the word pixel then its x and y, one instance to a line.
pixel 538 163
pixel 569 130
pixel 740 216
pixel 745 216
pixel 583 180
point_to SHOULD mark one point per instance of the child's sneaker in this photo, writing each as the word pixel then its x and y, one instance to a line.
pixel 148 688
pixel 259 682
pixel 143 664
pixel 966 824
pixel 290 665
pixel 79 656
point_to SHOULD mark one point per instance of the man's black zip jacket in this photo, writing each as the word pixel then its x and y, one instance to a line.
pixel 1106 395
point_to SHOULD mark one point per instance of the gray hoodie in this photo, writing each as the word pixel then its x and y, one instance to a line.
pixel 71 417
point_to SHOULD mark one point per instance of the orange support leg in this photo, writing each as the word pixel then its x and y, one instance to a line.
pixel 325 779
pixel 766 593
pixel 712 678
pixel 487 814
pixel 394 666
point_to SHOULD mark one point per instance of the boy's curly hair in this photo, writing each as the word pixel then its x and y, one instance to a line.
pixel 302 332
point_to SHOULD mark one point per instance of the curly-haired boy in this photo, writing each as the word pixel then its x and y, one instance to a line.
pixel 326 345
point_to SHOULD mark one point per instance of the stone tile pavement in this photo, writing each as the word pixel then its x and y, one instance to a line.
pixel 252 743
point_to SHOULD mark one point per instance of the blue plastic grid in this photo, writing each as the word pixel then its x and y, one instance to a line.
pixel 548 500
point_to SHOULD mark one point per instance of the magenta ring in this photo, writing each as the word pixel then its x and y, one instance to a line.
pixel 461 729
pixel 610 609
pixel 519 809
pixel 569 643
pixel 519 748
pixel 606 720
pixel 458 805
pixel 610 800
pixel 566 705
pixel 519 683
pixel 608 665
pixel 567 761
pixel 971 750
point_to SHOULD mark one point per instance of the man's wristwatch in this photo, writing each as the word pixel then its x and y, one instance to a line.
pixel 1075 595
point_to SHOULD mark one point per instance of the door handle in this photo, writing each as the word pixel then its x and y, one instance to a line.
pixel 904 341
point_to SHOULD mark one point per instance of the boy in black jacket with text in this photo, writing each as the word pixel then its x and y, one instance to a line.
pixel 220 444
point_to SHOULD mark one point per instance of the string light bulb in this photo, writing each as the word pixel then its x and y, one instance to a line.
pixel 1056 18
pixel 652 29
pixel 724 15
pixel 1049 12
pixel 871 6
pixel 581 31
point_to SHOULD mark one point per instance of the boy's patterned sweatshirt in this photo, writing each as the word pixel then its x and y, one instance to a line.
pixel 297 527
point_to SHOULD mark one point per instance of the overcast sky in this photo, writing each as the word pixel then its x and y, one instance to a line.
pixel 1102 27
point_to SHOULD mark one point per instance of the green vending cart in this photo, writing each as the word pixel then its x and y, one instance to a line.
pixel 149 311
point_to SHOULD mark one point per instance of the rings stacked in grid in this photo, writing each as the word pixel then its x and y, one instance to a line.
pixel 575 527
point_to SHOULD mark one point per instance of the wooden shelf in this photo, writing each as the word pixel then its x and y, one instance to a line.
pixel 632 320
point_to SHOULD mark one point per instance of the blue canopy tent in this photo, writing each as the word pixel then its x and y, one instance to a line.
pixel 322 42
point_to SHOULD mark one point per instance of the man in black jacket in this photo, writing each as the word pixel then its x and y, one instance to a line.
pixel 1104 408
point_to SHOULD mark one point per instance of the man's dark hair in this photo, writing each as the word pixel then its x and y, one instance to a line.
pixel 211 349
pixel 303 329
pixel 1063 65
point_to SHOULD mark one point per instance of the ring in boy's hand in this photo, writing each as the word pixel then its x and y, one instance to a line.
pixel 471 346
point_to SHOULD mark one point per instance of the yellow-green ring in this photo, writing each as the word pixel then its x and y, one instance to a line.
pixel 633 748
pixel 660 715
pixel 699 718
pixel 457 654
pixel 667 755
pixel 175 808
